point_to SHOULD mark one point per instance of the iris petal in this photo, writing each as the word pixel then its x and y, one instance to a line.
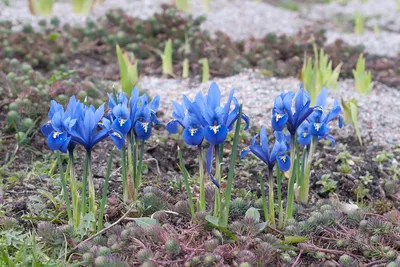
pixel 264 139
pixel 118 138
pixel 283 162
pixel 122 125
pixel 58 141
pixel 47 128
pixel 319 129
pixel 278 121
pixel 259 153
pixel 143 130
pixel 321 98
pixel 214 96
pixel 172 127
pixel 304 139
pixel 216 134
pixel 193 135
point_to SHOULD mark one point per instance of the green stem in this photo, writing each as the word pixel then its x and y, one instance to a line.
pixel 264 199
pixel 134 163
pixel 76 214
pixel 304 191
pixel 138 177
pixel 64 186
pixel 290 195
pixel 130 179
pixel 217 201
pixel 84 183
pixel 280 202
pixel 231 171
pixel 105 191
pixel 92 194
pixel 202 198
pixel 124 175
pixel 186 179
pixel 271 198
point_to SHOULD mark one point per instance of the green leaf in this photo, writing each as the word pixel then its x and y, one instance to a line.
pixel 212 219
pixel 146 222
pixel 293 240
pixel 206 70
pixel 166 58
pixel 214 222
pixel 319 74
pixel 53 36
pixel 82 6
pixel 350 114
pixel 60 75
pixel 254 213
pixel 354 118
pixel 185 68
pixel 362 79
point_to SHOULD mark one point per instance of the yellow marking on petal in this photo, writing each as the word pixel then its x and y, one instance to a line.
pixel 145 126
pixel 304 135
pixel 283 158
pixel 56 134
pixel 100 123
pixel 278 117
pixel 49 121
pixel 193 131
pixel 117 135
pixel 121 122
pixel 317 126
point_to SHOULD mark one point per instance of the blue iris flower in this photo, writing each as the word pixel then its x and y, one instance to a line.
pixel 86 130
pixel 143 114
pixel 119 113
pixel 282 113
pixel 59 126
pixel 189 116
pixel 317 123
pixel 277 153
pixel 219 119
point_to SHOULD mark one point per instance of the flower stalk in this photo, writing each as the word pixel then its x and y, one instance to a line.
pixel 105 191
pixel 64 186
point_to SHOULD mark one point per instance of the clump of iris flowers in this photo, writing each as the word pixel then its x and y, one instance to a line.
pixel 305 125
pixel 135 119
pixel 80 124
pixel 315 128
pixel 204 119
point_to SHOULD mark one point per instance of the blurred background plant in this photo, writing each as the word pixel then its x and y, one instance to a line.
pixel 319 74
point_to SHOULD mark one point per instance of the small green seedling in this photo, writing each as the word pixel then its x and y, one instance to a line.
pixel 185 65
pixel 362 79
pixel 182 5
pixel 128 71
pixel 167 67
pixel 350 112
pixel 328 184
pixel 206 70
pixel 82 6
pixel 320 74
pixel 41 7
pixel 359 21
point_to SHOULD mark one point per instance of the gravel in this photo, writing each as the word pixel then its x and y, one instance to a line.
pixel 377 111
pixel 18 12
pixel 382 44
pixel 241 19
pixel 379 13
pixel 244 19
